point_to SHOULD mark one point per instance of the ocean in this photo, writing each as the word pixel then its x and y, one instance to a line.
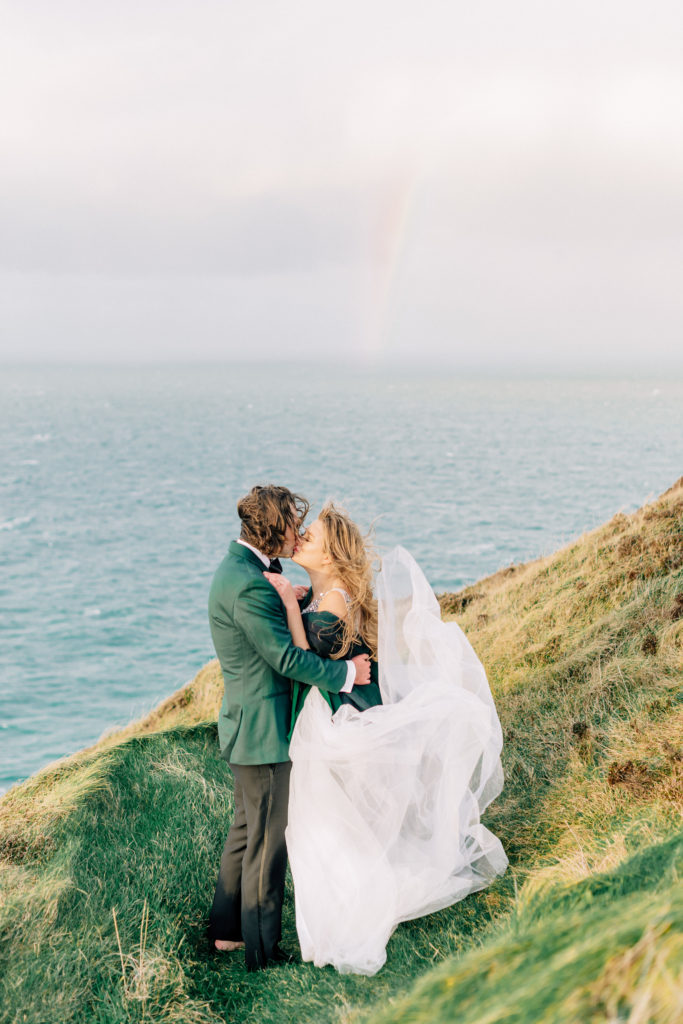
pixel 118 487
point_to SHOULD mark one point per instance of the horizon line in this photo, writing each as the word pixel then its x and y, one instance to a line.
pixel 396 364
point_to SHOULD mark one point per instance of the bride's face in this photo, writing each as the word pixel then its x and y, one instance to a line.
pixel 309 552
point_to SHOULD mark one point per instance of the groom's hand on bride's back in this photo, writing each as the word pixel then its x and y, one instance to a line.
pixel 362 663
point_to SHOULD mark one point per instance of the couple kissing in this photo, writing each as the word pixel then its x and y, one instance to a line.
pixel 361 736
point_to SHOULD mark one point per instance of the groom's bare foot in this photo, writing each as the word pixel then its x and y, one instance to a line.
pixel 227 945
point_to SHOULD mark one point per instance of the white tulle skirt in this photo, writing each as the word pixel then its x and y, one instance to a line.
pixel 385 804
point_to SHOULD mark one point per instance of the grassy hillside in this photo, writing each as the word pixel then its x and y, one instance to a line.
pixel 108 858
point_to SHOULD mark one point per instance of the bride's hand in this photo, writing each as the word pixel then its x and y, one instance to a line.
pixel 283 587
pixel 300 591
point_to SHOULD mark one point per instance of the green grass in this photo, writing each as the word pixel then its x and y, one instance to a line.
pixel 584 651
pixel 607 949
pixel 146 839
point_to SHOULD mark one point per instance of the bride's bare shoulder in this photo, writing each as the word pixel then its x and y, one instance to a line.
pixel 334 602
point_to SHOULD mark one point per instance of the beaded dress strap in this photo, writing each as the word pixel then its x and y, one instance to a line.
pixel 315 604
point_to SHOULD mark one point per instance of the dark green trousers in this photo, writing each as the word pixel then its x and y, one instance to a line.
pixel 247 903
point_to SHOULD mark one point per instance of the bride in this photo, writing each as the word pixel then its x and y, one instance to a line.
pixel 388 781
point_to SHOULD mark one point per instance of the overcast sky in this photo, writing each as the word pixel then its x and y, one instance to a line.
pixel 498 182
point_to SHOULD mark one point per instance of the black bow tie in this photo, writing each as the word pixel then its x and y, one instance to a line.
pixel 275 565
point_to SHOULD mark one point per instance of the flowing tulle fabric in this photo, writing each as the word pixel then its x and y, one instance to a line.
pixel 385 804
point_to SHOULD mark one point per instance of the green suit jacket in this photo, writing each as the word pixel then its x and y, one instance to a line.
pixel 258 660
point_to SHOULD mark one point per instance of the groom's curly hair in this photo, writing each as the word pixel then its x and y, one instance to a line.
pixel 266 512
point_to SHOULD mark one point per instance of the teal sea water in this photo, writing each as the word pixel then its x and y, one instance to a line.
pixel 118 488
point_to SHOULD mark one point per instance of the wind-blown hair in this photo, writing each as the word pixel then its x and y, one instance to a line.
pixel 351 556
pixel 266 512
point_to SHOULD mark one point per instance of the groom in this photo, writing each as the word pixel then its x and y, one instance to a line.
pixel 258 660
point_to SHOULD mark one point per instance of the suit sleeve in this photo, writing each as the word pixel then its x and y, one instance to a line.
pixel 259 614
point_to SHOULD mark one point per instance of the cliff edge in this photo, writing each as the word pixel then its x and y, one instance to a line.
pixel 108 857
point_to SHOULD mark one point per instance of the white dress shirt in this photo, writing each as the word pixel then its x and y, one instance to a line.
pixel 350 667
pixel 259 554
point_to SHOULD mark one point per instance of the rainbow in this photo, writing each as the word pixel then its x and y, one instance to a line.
pixel 386 249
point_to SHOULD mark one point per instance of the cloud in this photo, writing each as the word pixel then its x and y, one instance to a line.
pixel 390 166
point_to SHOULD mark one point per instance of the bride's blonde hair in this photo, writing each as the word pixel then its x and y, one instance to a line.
pixel 351 556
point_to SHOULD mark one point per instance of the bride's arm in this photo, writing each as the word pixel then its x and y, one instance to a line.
pixel 289 600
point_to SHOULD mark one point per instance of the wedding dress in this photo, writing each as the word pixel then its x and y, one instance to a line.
pixel 385 804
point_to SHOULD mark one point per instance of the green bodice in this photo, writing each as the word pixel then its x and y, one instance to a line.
pixel 323 632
